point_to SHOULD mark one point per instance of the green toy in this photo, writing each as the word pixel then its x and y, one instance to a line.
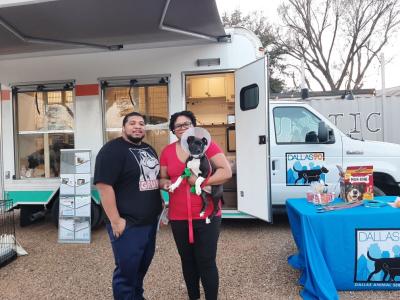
pixel 186 174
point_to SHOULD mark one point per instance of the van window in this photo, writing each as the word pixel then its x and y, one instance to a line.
pixel 149 100
pixel 45 124
pixel 295 125
pixel 249 97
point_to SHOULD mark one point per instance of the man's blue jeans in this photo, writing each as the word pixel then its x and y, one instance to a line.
pixel 133 252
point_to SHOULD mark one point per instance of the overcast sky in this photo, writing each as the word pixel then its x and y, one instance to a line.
pixel 248 5
pixel 374 78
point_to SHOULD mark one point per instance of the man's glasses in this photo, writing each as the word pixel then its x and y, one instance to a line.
pixel 183 125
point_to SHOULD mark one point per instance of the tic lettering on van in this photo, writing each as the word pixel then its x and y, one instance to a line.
pixel 374 114
pixel 371 118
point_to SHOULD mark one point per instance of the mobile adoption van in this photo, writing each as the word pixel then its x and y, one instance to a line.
pixel 68 78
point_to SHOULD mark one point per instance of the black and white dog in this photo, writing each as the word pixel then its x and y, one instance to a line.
pixel 200 166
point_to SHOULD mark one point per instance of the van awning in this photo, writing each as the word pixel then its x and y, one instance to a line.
pixel 28 27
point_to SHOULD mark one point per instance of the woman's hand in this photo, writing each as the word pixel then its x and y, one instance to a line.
pixel 192 180
pixel 118 226
pixel 165 184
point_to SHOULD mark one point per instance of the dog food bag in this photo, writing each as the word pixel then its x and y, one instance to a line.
pixel 358 183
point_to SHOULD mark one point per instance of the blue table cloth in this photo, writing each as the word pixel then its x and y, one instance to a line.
pixel 349 249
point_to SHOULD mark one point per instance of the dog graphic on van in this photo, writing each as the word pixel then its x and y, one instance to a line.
pixel 309 175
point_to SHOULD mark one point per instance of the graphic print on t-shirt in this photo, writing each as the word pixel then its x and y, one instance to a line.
pixel 149 168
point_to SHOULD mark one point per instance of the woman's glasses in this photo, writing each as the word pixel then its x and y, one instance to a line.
pixel 183 125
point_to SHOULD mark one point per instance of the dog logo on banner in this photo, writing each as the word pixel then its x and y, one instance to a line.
pixel 377 257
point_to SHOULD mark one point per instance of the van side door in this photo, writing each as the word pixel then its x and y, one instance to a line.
pixel 300 154
pixel 252 140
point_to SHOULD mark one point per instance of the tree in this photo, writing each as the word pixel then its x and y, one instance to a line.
pixel 338 39
pixel 260 26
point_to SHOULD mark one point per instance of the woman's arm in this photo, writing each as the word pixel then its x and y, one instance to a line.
pixel 165 182
pixel 222 170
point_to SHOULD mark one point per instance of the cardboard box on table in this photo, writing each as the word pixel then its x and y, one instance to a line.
pixel 356 183
pixel 75 196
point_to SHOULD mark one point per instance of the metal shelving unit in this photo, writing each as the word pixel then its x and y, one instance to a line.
pixel 75 196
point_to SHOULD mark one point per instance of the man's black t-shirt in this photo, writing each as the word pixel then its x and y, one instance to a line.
pixel 132 170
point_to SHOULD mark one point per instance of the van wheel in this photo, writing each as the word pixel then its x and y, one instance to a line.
pixel 55 211
pixel 97 215
pixel 29 214
pixel 95 211
pixel 378 191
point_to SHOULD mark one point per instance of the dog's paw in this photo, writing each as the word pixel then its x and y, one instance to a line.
pixel 172 188
pixel 198 190
pixel 208 221
pixel 202 214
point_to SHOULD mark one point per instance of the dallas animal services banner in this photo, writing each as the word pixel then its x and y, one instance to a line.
pixel 377 258
pixel 302 168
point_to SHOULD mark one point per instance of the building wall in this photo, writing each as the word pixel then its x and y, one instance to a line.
pixel 365 117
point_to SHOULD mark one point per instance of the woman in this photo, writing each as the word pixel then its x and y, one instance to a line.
pixel 198 258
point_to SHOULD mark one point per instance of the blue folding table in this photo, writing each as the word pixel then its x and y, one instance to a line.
pixel 349 249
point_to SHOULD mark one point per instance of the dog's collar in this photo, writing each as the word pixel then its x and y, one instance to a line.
pixel 198 156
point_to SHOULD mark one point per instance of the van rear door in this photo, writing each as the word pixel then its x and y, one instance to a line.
pixel 252 144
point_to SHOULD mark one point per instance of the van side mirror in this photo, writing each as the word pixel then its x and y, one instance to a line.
pixel 325 133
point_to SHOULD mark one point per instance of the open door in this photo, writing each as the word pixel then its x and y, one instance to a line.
pixel 252 149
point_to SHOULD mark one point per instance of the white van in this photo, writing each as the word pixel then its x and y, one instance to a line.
pixel 53 101
pixel 279 141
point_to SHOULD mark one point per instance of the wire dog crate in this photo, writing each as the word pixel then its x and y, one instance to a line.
pixel 8 244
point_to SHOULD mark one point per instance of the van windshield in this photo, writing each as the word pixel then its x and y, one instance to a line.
pixel 295 125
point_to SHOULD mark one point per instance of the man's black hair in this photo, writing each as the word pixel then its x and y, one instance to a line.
pixel 131 114
pixel 185 113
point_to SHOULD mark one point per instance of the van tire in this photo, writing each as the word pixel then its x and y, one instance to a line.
pixel 26 211
pixel 55 211
pixel 96 215
pixel 378 191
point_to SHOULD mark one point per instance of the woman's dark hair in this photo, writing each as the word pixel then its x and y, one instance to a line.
pixel 185 113
pixel 131 114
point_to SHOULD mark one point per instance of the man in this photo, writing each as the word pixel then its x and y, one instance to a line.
pixel 126 175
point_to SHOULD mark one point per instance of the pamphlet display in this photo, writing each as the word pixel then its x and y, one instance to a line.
pixel 75 196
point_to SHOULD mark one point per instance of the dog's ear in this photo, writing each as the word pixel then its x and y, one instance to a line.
pixel 205 141
pixel 190 139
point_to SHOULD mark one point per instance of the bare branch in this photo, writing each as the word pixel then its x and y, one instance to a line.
pixel 333 37
pixel 316 78
pixel 350 26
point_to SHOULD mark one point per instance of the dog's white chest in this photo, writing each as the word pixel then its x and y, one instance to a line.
pixel 194 166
